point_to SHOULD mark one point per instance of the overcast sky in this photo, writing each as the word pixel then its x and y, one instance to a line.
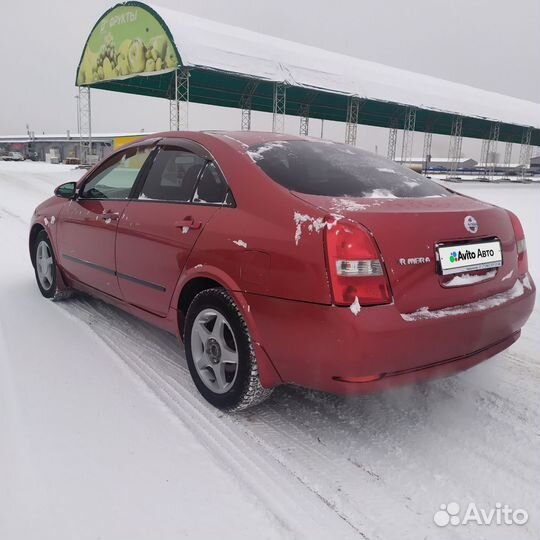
pixel 491 44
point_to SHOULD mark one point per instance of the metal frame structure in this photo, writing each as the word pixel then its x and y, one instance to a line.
pixel 351 128
pixel 219 71
pixel 84 109
pixel 525 151
pixel 392 140
pixel 489 149
pixel 304 119
pixel 426 151
pixel 245 105
pixel 179 100
pixel 456 142
pixel 408 134
pixel 507 155
pixel 279 107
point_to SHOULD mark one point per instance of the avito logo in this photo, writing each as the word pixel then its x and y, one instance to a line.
pixel 452 514
pixel 469 255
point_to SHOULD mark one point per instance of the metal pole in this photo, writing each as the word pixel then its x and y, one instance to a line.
pixel 454 148
pixel 245 104
pixel 507 157
pixel 392 140
pixel 426 153
pixel 279 107
pixel 525 152
pixel 351 128
pixel 304 119
pixel 489 149
pixel 179 100
pixel 85 124
pixel 408 134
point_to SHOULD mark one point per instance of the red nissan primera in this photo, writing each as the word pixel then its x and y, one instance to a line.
pixel 285 260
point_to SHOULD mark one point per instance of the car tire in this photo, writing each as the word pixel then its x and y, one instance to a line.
pixel 215 333
pixel 47 272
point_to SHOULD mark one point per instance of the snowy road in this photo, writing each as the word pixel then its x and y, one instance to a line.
pixel 103 435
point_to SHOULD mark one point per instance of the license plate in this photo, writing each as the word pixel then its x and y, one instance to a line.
pixel 458 258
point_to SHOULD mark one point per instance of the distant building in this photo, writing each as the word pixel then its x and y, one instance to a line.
pixel 442 163
pixel 500 167
pixel 47 147
pixel 535 163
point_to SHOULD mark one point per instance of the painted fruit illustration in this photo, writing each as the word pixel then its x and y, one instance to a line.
pixel 122 61
pixel 131 57
pixel 137 56
pixel 88 72
pixel 159 47
pixel 108 70
pixel 171 57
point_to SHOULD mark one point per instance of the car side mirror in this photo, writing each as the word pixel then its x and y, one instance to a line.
pixel 67 190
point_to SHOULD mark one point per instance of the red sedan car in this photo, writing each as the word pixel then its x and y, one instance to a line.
pixel 280 259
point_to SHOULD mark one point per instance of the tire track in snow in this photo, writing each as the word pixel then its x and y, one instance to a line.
pixel 362 467
pixel 221 434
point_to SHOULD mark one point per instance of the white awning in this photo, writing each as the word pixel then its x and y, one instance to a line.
pixel 212 45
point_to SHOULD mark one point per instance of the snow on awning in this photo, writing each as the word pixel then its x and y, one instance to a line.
pixel 229 48
pixel 135 48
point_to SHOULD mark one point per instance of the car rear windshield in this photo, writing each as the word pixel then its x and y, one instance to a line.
pixel 338 170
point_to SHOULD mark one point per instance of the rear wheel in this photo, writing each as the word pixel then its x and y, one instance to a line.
pixel 46 269
pixel 220 354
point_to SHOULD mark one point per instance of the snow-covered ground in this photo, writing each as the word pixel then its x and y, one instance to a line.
pixel 103 435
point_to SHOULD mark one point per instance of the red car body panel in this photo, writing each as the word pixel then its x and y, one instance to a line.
pixel 87 231
pixel 275 268
pixel 152 231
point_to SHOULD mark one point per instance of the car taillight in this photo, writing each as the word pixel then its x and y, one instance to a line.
pixel 354 265
pixel 521 246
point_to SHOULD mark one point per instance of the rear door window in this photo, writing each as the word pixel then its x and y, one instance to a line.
pixel 339 170
pixel 173 176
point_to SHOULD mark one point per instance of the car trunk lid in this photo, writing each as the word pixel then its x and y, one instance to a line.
pixel 408 232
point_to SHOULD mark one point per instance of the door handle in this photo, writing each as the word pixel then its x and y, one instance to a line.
pixel 113 216
pixel 188 222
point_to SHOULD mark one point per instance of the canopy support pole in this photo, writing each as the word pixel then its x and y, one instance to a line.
pixel 525 152
pixel 408 134
pixel 392 140
pixel 507 157
pixel 351 128
pixel 245 104
pixel 489 149
pixel 279 107
pixel 303 112
pixel 179 100
pixel 304 119
pixel 426 153
pixel 454 148
pixel 84 110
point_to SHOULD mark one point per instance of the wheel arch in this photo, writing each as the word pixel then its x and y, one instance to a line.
pixel 34 231
pixel 194 282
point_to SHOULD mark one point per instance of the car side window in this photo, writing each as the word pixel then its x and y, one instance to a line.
pixel 212 187
pixel 118 178
pixel 173 176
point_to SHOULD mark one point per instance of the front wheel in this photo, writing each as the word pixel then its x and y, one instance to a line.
pixel 220 354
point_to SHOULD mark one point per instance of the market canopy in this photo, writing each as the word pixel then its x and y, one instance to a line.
pixel 136 48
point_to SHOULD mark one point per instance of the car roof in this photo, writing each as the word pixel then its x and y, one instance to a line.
pixel 238 139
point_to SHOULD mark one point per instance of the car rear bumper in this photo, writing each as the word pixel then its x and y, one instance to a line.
pixel 328 348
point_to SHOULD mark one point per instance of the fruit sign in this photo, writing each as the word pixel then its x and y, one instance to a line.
pixel 127 41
